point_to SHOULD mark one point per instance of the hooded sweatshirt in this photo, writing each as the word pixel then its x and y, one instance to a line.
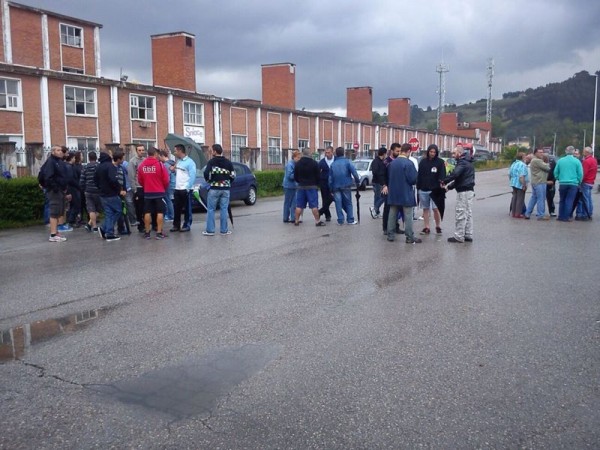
pixel 153 177
pixel 106 177
pixel 431 173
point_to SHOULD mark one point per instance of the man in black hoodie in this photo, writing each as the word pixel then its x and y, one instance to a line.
pixel 306 174
pixel 107 180
pixel 432 172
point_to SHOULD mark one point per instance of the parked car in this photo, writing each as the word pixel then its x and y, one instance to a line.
pixel 363 167
pixel 244 186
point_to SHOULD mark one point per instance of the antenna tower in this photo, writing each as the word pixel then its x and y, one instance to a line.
pixel 441 69
pixel 490 77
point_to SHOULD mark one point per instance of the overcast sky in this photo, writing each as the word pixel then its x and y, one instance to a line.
pixel 393 46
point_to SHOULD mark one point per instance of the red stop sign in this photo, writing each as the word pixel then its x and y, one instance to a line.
pixel 355 146
pixel 414 143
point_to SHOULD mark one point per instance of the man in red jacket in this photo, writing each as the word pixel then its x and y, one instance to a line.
pixel 585 208
pixel 154 178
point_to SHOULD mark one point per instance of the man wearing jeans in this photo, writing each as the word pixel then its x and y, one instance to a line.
pixel 219 174
pixel 539 182
pixel 185 176
pixel 585 208
pixel 569 173
pixel 110 190
pixel 341 173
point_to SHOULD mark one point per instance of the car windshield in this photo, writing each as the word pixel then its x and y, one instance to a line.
pixel 361 165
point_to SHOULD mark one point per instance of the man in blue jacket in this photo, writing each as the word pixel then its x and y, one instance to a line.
pixel 341 173
pixel 400 190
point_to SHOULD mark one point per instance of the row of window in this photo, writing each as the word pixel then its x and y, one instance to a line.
pixel 82 102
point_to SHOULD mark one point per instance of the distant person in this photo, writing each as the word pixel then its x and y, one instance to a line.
pixel 137 193
pixel 185 177
pixel 569 174
pixel 341 175
pixel 219 173
pixel 289 189
pixel 551 186
pixel 91 192
pixel 378 168
pixel 462 179
pixel 53 178
pixel 106 178
pixel 517 175
pixel 306 174
pixel 326 194
pixel 400 191
pixel 432 171
pixel 539 182
pixel 392 155
pixel 154 179
pixel 585 207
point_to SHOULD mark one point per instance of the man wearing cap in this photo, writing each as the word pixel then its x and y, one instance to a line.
pixel 462 179
pixel 432 172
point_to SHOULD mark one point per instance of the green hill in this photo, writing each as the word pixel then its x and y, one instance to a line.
pixel 565 108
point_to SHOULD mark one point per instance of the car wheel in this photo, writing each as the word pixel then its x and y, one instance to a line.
pixel 251 198
pixel 363 185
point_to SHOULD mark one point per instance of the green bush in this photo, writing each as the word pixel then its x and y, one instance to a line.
pixel 269 182
pixel 491 164
pixel 21 202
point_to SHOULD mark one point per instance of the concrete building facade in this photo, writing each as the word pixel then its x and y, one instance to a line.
pixel 52 92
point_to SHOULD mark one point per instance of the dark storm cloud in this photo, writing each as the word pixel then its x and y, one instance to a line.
pixel 393 46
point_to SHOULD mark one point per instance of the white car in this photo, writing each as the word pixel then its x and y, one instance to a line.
pixel 363 167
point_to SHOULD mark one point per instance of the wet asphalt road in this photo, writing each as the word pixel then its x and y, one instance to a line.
pixel 302 337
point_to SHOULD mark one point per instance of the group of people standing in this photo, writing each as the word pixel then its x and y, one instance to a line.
pixel 575 178
pixel 395 177
pixel 148 190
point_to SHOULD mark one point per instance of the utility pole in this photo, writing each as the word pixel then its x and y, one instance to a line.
pixel 595 109
pixel 441 69
pixel 554 145
pixel 490 77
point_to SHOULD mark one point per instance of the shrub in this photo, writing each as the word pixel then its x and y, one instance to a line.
pixel 491 164
pixel 269 182
pixel 21 201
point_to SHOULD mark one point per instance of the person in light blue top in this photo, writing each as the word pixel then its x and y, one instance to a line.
pixel 289 189
pixel 569 174
pixel 185 177
pixel 518 175
pixel 341 174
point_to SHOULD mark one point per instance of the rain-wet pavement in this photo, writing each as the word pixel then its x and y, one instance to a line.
pixel 301 337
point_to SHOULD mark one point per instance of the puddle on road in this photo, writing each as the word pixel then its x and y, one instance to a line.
pixel 16 342
pixel 193 387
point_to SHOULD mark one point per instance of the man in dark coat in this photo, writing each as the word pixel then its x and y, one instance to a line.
pixel 432 172
pixel 378 168
pixel 306 174
pixel 462 179
pixel 326 195
pixel 400 190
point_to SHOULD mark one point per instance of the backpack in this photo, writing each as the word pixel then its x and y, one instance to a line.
pixel 41 178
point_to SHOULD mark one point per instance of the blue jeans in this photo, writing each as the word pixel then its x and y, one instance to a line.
pixel 169 211
pixel 567 198
pixel 217 197
pixel 585 208
pixel 112 212
pixel 289 205
pixel 378 198
pixel 343 203
pixel 538 198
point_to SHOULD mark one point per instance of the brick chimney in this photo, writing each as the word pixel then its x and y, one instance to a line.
pixel 359 103
pixel 174 60
pixel 399 111
pixel 279 85
pixel 449 122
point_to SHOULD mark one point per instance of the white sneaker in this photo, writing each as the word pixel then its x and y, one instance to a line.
pixel 372 211
pixel 57 238
pixel 353 223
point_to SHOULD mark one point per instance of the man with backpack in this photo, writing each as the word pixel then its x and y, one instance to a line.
pixel 53 178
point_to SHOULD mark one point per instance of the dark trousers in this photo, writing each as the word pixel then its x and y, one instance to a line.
pixel 326 200
pixel 182 202
pixel 138 201
pixel 74 206
pixel 550 192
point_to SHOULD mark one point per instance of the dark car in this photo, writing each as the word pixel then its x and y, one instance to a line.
pixel 244 186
